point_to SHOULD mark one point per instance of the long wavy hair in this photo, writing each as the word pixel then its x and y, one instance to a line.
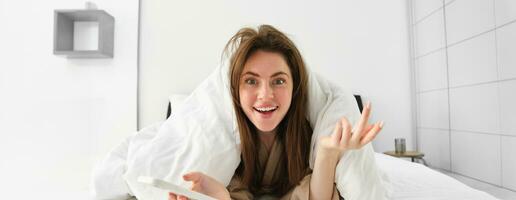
pixel 293 132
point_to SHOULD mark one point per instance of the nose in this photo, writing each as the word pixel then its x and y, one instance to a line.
pixel 265 92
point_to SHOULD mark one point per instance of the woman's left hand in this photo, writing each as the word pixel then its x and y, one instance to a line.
pixel 204 184
pixel 344 137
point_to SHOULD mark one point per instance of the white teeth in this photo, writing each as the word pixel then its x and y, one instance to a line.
pixel 266 109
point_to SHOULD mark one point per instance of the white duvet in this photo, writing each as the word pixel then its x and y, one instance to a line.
pixel 202 136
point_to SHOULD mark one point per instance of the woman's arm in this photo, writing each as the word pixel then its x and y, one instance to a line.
pixel 321 182
pixel 330 149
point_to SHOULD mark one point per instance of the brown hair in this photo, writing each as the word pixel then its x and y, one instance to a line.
pixel 293 132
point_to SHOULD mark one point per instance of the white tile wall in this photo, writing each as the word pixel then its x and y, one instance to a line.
pixel 475 108
pixel 505 11
pixel 476 155
pixel 506 44
pixel 423 8
pixel 508 108
pixel 509 162
pixel 479 62
pixel 466 18
pixel 433 109
pixel 436 147
pixel 429 34
pixel 473 61
pixel 431 71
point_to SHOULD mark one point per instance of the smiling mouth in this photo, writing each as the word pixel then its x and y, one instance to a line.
pixel 266 110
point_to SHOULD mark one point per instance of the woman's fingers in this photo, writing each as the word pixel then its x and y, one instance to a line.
pixel 346 133
pixel 360 126
pixel 172 196
pixel 337 133
pixel 193 176
pixel 196 186
pixel 181 197
pixel 371 134
pixel 368 127
pixel 347 137
pixel 196 178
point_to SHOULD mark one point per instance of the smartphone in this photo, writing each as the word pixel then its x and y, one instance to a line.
pixel 178 190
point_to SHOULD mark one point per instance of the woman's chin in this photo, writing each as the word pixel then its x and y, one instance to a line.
pixel 266 129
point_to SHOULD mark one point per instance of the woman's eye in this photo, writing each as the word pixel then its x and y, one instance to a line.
pixel 279 82
pixel 250 81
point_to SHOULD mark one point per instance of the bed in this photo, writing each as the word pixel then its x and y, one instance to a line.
pixel 410 180
pixel 405 179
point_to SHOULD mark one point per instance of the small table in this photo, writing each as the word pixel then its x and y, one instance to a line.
pixel 413 155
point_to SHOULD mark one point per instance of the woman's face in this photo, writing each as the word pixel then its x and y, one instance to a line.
pixel 265 89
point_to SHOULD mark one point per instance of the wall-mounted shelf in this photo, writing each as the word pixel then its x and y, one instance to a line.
pixel 64 33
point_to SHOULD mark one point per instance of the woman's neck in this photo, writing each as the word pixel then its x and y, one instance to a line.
pixel 267 138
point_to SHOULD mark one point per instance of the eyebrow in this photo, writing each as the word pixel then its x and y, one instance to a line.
pixel 275 74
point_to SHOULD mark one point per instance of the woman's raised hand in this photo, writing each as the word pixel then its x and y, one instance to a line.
pixel 345 137
pixel 204 184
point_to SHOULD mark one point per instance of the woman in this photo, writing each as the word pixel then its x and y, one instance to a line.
pixel 269 87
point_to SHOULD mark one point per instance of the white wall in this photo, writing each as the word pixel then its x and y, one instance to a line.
pixel 466 77
pixel 58 115
pixel 361 45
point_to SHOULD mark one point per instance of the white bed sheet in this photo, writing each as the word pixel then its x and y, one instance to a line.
pixel 407 180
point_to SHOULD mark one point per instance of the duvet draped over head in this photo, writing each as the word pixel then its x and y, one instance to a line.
pixel 202 136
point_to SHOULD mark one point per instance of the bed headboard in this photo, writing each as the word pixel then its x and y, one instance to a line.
pixel 174 101
pixel 359 102
pixel 176 98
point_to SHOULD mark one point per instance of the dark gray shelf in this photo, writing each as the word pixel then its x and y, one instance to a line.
pixel 64 32
pixel 83 54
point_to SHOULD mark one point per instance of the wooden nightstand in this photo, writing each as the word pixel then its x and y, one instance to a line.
pixel 413 155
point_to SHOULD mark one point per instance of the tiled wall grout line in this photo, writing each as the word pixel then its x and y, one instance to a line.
pixel 499 95
pixel 481 33
pixel 431 13
pixel 469 85
pixel 464 40
pixel 479 180
pixel 447 84
pixel 430 52
pixel 469 131
pixel 427 16
pixel 413 71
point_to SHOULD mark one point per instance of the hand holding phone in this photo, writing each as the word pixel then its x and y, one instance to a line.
pixel 158 183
